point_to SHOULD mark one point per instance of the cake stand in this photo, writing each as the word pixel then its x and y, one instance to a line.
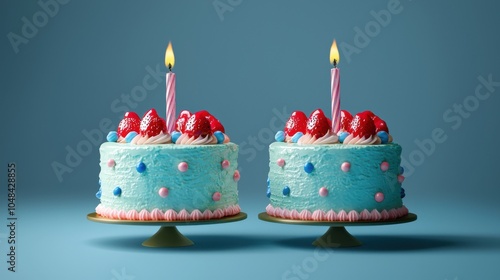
pixel 337 235
pixel 167 235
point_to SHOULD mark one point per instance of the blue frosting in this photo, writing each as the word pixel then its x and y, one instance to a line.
pixel 268 193
pixel 188 190
pixel 280 136
pixel 353 190
pixel 112 136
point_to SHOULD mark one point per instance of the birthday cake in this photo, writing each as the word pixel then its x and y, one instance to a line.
pixel 150 174
pixel 352 175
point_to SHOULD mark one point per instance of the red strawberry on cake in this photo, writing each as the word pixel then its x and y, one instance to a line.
pixel 215 124
pixel 152 124
pixel 318 124
pixel 180 124
pixel 198 125
pixel 130 122
pixel 296 123
pixel 345 120
pixel 380 124
pixel 362 125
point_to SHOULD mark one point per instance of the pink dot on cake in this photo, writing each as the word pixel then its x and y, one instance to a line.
pixel 111 163
pixel 379 197
pixel 216 196
pixel 323 191
pixel 225 164
pixel 280 162
pixel 346 166
pixel 401 179
pixel 384 166
pixel 183 166
pixel 163 192
pixel 236 176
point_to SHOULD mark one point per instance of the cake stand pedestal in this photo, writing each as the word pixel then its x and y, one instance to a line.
pixel 167 235
pixel 337 235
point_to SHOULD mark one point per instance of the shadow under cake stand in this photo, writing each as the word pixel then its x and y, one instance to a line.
pixel 167 235
pixel 337 235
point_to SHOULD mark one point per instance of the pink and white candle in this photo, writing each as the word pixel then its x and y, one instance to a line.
pixel 335 87
pixel 170 95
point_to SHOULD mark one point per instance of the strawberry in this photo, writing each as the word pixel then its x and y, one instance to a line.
pixel 368 113
pixel 362 125
pixel 345 120
pixel 180 123
pixel 152 124
pixel 380 124
pixel 130 122
pixel 198 125
pixel 296 123
pixel 215 124
pixel 317 125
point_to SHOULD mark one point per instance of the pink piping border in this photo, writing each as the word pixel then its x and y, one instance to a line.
pixel 168 215
pixel 351 216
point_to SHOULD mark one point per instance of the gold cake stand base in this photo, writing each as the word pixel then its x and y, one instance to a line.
pixel 167 235
pixel 337 235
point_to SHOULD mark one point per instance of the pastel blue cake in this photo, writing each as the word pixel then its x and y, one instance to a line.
pixel 335 182
pixel 168 181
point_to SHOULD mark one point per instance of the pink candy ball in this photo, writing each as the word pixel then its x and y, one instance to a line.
pixel 225 163
pixel 401 179
pixel 163 192
pixel 183 166
pixel 323 191
pixel 236 176
pixel 379 197
pixel 346 166
pixel 280 162
pixel 216 196
pixel 111 163
pixel 384 166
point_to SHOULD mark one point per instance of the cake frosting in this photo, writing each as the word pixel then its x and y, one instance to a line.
pixel 149 174
pixel 356 178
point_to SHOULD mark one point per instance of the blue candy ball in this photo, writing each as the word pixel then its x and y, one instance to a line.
pixel 117 191
pixel 141 167
pixel 309 167
pixel 286 191
pixel 112 136
pixel 268 193
pixel 268 182
pixel 220 137
pixel 401 170
pixel 403 194
pixel 130 136
pixel 98 194
pixel 384 137
pixel 342 136
pixel 175 135
pixel 280 136
pixel 297 136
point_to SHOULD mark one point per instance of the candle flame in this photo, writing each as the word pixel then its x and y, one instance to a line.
pixel 334 54
pixel 169 56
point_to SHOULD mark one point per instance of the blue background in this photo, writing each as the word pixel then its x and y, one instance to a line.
pixel 247 61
